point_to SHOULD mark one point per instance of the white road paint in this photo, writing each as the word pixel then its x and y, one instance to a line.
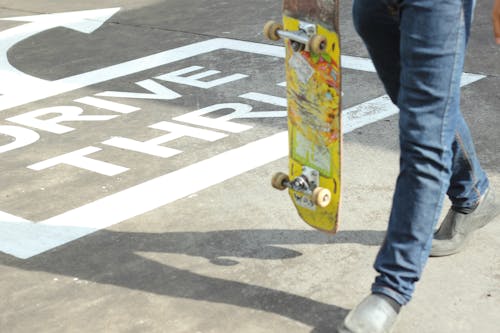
pixel 23 137
pixel 24 239
pixel 79 159
pixel 14 81
pixel 16 92
pixel 153 147
pixel 53 88
pixel 157 91
pixel 381 108
pixel 195 79
pixel 35 119
pixel 222 123
pixel 108 105
pixel 269 99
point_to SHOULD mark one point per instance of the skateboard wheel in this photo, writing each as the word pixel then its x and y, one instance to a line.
pixel 317 44
pixel 271 30
pixel 278 181
pixel 321 196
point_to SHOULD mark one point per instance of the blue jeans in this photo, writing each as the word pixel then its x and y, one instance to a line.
pixel 418 48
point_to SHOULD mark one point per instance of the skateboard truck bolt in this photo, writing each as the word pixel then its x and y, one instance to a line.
pixel 297 47
pixel 301 184
pixel 307 183
pixel 308 28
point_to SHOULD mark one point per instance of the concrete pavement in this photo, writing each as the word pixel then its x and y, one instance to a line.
pixel 106 224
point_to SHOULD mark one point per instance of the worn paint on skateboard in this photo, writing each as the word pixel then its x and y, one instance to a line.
pixel 313 76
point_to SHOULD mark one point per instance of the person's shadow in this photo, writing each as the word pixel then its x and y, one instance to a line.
pixel 108 257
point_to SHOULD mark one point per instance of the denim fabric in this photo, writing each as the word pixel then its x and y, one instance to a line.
pixel 418 49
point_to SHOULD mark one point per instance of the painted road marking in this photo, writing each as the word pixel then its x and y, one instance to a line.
pixel 53 88
pixel 382 107
pixel 24 239
pixel 13 80
pixel 269 99
pixel 108 105
pixel 24 137
pixel 153 147
pixel 79 159
pixel 157 90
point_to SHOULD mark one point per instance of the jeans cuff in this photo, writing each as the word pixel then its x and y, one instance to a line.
pixel 469 209
pixel 464 210
pixel 390 293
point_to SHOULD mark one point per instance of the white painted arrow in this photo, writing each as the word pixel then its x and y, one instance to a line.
pixel 13 80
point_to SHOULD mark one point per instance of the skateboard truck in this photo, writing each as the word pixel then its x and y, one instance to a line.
pixel 307 183
pixel 306 38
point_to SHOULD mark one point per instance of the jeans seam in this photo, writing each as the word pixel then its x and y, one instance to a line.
pixel 452 83
pixel 469 163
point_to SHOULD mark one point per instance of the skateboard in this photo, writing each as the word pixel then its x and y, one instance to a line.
pixel 310 31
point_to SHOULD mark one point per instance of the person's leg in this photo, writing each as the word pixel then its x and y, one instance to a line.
pixel 424 81
pixel 474 204
pixel 378 25
pixel 468 180
pixel 377 22
pixel 433 39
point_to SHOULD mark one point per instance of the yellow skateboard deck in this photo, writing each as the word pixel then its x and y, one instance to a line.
pixel 313 80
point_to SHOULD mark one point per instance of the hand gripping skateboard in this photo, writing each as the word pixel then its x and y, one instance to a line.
pixel 312 64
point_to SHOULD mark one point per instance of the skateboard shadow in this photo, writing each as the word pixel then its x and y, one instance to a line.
pixel 263 244
pixel 108 257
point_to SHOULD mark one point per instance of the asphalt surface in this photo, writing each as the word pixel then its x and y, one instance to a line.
pixel 134 178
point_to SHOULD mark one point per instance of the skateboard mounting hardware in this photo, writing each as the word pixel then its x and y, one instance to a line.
pixel 307 183
pixel 308 28
pixel 306 38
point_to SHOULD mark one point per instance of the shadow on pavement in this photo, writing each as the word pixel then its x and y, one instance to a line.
pixel 109 257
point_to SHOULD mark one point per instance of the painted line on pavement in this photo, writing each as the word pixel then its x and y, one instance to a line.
pixel 108 105
pixel 382 107
pixel 24 239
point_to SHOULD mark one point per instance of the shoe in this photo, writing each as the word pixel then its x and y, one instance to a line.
pixel 375 314
pixel 456 229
